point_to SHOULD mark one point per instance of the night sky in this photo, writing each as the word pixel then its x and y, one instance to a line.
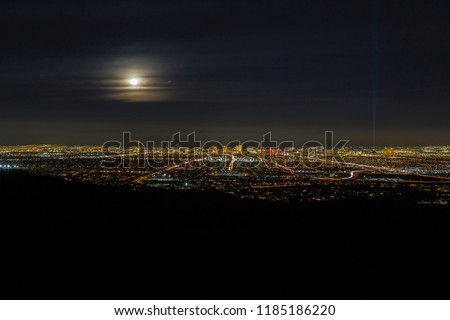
pixel 225 69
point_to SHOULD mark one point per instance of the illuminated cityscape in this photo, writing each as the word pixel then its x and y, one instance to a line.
pixel 301 145
pixel 291 175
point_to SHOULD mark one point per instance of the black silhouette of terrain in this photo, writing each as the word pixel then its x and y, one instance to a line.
pixel 62 240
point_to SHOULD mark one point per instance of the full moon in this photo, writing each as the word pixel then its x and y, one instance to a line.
pixel 134 81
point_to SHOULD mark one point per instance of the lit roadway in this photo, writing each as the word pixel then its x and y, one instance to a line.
pixel 233 160
pixel 143 178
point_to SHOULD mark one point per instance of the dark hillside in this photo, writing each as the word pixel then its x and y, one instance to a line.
pixel 65 240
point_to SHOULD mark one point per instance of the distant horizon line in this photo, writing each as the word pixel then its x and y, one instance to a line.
pixel 100 145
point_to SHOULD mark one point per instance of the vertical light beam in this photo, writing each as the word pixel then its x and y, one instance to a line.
pixel 375 63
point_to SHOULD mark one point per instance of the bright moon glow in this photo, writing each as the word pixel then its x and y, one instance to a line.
pixel 134 81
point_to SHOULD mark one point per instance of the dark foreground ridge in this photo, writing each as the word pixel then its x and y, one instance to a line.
pixel 64 240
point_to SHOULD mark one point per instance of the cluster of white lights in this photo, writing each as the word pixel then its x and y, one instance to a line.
pixel 8 166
